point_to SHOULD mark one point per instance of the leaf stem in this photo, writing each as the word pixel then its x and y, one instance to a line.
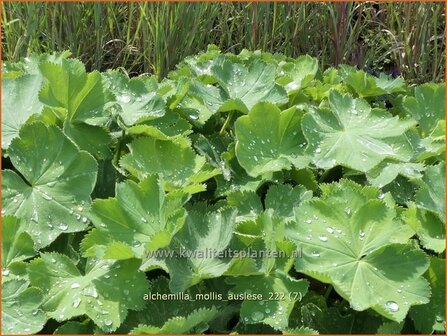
pixel 118 149
pixel 328 292
pixel 324 175
pixel 227 121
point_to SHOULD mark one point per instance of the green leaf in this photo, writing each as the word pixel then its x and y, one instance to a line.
pixel 247 203
pixel 283 198
pixel 269 140
pixel 105 293
pixel 93 139
pixel 169 126
pixel 354 135
pixel 427 106
pixel 21 313
pixel 138 216
pixel 366 85
pixel 390 328
pixel 174 160
pixel 74 328
pixel 300 331
pixel 431 195
pixel 202 101
pixel 296 75
pixel 275 309
pixel 201 242
pixel 429 228
pixel 17 245
pixel 137 99
pixel 176 305
pixel 244 87
pixel 353 240
pixel 54 186
pixel 434 143
pixel 180 325
pixel 305 177
pixel 20 99
pixel 261 247
pixel 235 177
pixel 431 316
pixel 78 98
pixel 30 65
pixel 388 170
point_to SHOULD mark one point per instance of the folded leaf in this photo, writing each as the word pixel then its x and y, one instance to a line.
pixel 99 293
pixel 136 97
pixel 20 99
pixel 246 86
pixel 21 313
pixel 202 239
pixel 427 106
pixel 269 140
pixel 431 195
pixel 180 325
pixel 55 183
pixel 17 245
pixel 431 316
pixel 139 216
pixel 279 294
pixel 174 160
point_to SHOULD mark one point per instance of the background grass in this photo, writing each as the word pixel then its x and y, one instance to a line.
pixel 397 38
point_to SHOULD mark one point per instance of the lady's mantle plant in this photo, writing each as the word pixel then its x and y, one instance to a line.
pixel 107 180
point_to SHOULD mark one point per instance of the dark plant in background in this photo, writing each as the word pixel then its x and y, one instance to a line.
pixel 398 38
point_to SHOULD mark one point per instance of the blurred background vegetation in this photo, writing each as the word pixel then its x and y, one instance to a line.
pixel 405 39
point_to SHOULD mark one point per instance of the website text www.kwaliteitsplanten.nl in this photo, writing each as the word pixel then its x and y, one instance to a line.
pixel 210 253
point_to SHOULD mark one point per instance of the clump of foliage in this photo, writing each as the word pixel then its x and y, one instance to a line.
pixel 107 179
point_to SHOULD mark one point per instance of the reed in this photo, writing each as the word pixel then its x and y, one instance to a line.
pixel 399 38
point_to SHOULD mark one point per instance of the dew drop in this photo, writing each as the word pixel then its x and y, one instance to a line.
pixel 392 306
pixel 315 254
pixel 257 316
pixel 309 221
pixel 323 238
pixel 63 227
pixel 76 303
pixel 75 285
pixel 108 322
pixel 123 98
pixel 330 230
